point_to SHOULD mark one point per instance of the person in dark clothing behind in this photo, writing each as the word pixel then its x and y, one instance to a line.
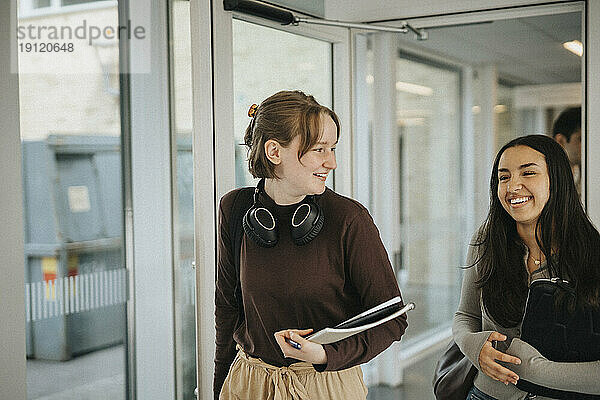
pixel 567 132
pixel 298 280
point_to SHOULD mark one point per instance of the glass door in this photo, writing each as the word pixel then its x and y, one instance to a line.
pixel 256 58
pixel 407 109
pixel 428 105
pixel 479 81
pixel 183 203
pixel 265 61
pixel 75 278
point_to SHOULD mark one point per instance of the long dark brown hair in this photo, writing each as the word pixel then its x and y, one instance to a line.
pixel 566 236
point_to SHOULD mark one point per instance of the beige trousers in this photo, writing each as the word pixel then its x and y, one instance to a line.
pixel 250 378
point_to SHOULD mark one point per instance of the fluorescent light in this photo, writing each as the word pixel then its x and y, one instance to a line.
pixel 500 108
pixel 414 89
pixel 574 46
pixel 370 79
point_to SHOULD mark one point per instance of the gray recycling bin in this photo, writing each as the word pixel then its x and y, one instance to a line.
pixel 76 289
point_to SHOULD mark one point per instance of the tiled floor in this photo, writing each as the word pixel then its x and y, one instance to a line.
pixel 99 376
pixel 416 386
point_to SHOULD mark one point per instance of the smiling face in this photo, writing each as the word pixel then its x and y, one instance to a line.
pixel 307 175
pixel 523 183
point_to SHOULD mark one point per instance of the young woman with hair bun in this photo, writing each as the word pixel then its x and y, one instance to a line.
pixel 309 259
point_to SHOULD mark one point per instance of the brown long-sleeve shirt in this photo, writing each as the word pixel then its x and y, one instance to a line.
pixel 343 271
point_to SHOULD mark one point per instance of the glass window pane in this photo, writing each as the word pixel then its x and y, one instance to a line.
pixel 41 3
pixel 428 110
pixel 76 281
pixel 429 243
pixel 71 2
pixel 266 61
pixel 505 116
pixel 185 278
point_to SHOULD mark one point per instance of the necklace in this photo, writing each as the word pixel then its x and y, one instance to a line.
pixel 536 262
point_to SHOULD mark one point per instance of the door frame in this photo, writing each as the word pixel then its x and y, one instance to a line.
pixel 214 161
pixel 213 90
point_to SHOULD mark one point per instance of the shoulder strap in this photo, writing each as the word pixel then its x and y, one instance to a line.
pixel 241 203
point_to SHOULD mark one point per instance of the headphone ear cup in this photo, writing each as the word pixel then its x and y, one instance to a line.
pixel 310 223
pixel 260 226
pixel 312 233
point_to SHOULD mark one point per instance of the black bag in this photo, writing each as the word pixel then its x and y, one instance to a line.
pixel 454 375
pixel 559 335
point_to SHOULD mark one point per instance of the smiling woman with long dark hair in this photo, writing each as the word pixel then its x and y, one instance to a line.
pixel 536 227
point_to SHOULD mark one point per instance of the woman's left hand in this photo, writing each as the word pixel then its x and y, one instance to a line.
pixel 313 353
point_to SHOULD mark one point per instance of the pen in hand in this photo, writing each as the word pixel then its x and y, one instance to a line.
pixel 294 344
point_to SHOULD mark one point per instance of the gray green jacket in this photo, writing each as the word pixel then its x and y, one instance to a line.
pixel 472 326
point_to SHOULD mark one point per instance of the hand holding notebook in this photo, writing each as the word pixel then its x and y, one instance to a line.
pixel 377 315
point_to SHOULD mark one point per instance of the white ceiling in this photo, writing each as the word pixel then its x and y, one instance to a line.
pixel 524 51
pixel 378 10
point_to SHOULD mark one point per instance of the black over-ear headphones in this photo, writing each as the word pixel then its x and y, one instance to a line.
pixel 261 226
